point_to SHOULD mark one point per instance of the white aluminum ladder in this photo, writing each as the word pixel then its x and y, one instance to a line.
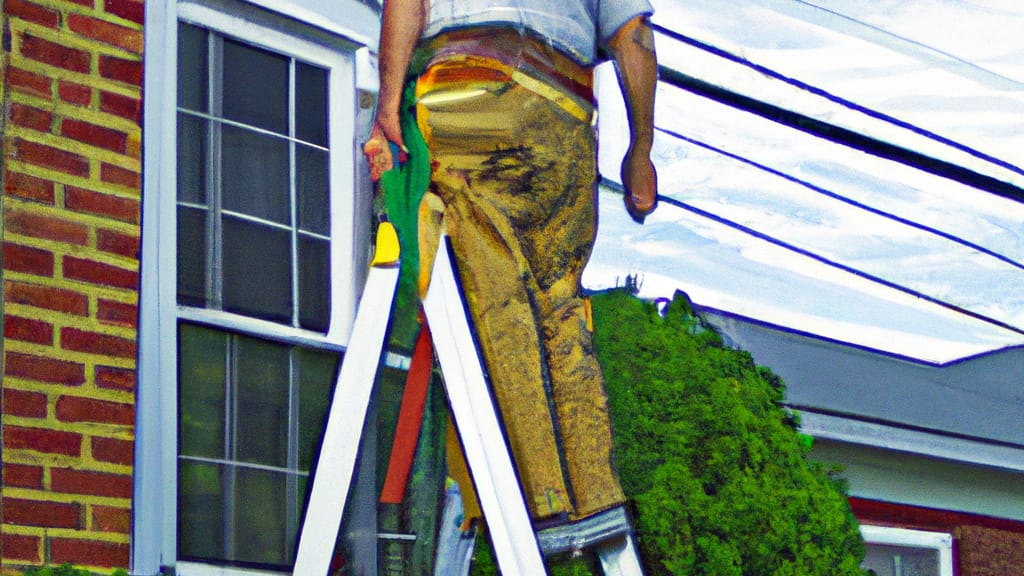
pixel 518 549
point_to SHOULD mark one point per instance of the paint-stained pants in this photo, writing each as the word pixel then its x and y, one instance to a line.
pixel 515 166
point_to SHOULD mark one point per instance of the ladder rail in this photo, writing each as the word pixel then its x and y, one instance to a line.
pixel 345 421
pixel 476 419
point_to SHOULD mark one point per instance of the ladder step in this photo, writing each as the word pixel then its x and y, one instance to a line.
pixel 619 557
pixel 608 533
pixel 584 533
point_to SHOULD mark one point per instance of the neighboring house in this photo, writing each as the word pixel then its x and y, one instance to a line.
pixel 934 453
pixel 179 287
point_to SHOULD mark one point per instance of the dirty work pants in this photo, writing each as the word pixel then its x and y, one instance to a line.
pixel 515 166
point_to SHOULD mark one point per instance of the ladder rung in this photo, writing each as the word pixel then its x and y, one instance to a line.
pixel 584 533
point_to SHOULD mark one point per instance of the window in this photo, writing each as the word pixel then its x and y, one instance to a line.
pixel 263 256
pixel 902 552
pixel 253 202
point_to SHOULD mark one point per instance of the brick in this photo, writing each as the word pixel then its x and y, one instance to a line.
pixel 117 313
pixel 68 481
pixel 123 106
pixel 987 551
pixel 44 369
pixel 108 519
pixel 74 93
pixel 42 440
pixel 128 9
pixel 25 404
pixel 113 451
pixel 112 242
pixel 39 296
pixel 29 82
pixel 28 330
pixel 22 476
pixel 112 378
pixel 96 343
pixel 22 548
pixel 29 187
pixel 88 553
pixel 99 273
pixel 87 201
pixel 121 70
pixel 32 13
pixel 129 39
pixel 78 409
pixel 18 258
pixel 31 118
pixel 42 514
pixel 94 135
pixel 47 227
pixel 49 157
pixel 54 54
pixel 117 175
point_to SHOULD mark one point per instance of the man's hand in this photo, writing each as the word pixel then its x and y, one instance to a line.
pixel 378 153
pixel 386 130
pixel 640 180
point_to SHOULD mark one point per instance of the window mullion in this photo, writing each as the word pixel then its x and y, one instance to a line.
pixel 292 512
pixel 214 178
pixel 292 192
pixel 291 480
pixel 230 443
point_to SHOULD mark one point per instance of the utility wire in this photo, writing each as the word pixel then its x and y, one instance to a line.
pixel 818 258
pixel 846 200
pixel 839 134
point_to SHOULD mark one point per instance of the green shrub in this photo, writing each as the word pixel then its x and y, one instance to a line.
pixel 714 467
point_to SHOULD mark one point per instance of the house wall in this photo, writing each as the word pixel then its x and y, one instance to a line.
pixel 72 179
pixel 982 545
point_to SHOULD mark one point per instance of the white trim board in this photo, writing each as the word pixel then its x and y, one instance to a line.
pixel 914 441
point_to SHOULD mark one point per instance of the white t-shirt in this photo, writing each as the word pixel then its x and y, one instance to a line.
pixel 577 27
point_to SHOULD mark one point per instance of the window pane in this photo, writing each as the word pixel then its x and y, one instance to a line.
pixel 901 560
pixel 192 138
pixel 192 67
pixel 314 283
pixel 255 87
pixel 257 270
pixel 316 374
pixel 311 181
pixel 200 510
pixel 262 400
pixel 191 256
pixel 261 527
pixel 311 103
pixel 255 174
pixel 203 357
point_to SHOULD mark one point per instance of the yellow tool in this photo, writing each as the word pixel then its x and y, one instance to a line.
pixel 386 252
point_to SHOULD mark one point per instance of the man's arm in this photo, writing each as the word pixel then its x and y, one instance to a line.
pixel 402 23
pixel 632 47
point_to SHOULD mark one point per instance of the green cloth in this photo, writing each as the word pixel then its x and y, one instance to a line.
pixel 403 187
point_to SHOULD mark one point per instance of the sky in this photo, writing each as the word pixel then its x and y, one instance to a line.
pixel 765 221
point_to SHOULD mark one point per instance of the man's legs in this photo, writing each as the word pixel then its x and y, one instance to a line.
pixel 517 177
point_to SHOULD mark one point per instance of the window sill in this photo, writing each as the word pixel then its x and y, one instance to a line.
pixel 197 569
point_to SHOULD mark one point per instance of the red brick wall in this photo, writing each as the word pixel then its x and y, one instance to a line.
pixel 71 207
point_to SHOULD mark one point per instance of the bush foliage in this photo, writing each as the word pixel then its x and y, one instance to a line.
pixel 66 570
pixel 713 465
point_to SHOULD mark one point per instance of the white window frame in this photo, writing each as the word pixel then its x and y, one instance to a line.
pixel 341 87
pixel 351 72
pixel 942 542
